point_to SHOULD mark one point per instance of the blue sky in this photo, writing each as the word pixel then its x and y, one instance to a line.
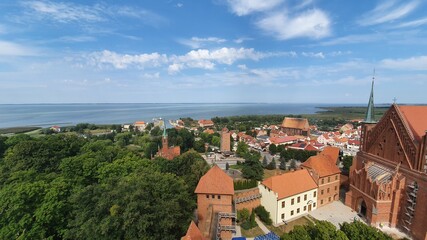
pixel 307 51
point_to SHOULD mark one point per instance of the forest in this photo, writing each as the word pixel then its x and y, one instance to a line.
pixel 64 186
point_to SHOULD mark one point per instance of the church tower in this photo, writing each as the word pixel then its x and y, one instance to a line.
pixel 369 121
pixel 164 136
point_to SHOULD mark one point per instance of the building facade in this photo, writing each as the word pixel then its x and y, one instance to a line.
pixel 215 213
pixel 168 152
pixel 289 195
pixel 296 126
pixel 225 140
pixel 388 178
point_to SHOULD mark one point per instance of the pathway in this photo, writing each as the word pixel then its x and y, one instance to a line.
pixel 261 225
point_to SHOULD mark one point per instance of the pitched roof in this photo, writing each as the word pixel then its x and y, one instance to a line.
pixel 323 165
pixel 285 139
pixel 309 147
pixel 215 181
pixel 416 117
pixel 193 233
pixel 290 183
pixel 299 123
pixel 332 152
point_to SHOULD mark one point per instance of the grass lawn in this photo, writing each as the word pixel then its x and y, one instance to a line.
pixel 282 229
pixel 270 173
pixel 253 232
pixel 239 167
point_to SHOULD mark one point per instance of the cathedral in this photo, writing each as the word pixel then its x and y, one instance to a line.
pixel 388 178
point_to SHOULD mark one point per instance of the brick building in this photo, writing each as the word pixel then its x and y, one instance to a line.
pixel 193 233
pixel 388 178
pixel 296 126
pixel 168 152
pixel 326 174
pixel 215 211
pixel 225 140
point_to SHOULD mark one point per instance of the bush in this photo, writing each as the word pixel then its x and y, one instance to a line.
pixel 248 221
pixel 245 184
pixel 263 214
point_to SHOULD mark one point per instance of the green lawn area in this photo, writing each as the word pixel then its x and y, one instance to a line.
pixel 345 113
pixel 253 232
pixel 280 230
pixel 239 167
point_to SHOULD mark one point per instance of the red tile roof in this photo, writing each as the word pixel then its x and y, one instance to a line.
pixel 323 165
pixel 290 183
pixel 309 147
pixel 299 123
pixel 215 181
pixel 332 152
pixel 416 117
pixel 193 233
pixel 279 140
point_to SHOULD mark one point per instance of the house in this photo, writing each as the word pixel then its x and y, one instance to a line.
pixel 283 140
pixel 296 126
pixel 139 125
pixel 326 174
pixel 289 195
pixel 388 178
pixel 215 214
pixel 205 123
pixel 56 129
pixel 332 152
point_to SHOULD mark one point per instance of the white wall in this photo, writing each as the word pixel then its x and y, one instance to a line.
pixel 274 206
pixel 269 201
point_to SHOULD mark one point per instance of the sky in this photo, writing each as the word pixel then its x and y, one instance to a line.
pixel 179 51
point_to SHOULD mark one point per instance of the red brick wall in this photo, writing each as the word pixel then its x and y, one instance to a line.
pixel 248 204
pixel 333 185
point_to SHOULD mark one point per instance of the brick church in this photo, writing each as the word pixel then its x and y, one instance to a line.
pixel 168 152
pixel 388 178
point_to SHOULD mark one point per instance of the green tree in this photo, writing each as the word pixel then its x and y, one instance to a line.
pixel 242 149
pixel 264 162
pixel 252 168
pixel 272 165
pixel 273 149
pixel 347 162
pixel 199 146
pixel 293 164
pixel 282 165
pixel 216 141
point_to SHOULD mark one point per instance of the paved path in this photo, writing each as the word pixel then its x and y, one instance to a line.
pixel 335 212
pixel 261 225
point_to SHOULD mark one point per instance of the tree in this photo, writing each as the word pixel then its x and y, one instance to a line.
pixel 347 162
pixel 272 165
pixel 3 145
pixel 358 231
pixel 252 168
pixel 216 141
pixel 264 162
pixel 293 164
pixel 273 149
pixel 227 166
pixel 282 165
pixel 242 149
pixel 199 146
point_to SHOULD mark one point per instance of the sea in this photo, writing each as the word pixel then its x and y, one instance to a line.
pixel 45 115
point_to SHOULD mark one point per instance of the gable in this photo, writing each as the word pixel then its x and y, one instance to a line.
pixel 391 139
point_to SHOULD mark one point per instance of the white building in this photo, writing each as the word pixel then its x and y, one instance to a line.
pixel 288 196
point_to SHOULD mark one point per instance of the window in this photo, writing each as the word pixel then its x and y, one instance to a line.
pixel 329 199
pixel 292 212
pixel 283 204
pixel 292 201
pixel 321 201
pixel 328 190
pixel 329 179
pixel 297 210
pixel 298 199
pixel 305 197
pixel 336 177
pixel 323 180
pixel 314 194
pixel 305 208
pixel 207 195
pixel 213 196
pixel 219 196
pixel 283 216
pixel 321 192
pixel 314 204
pixel 336 188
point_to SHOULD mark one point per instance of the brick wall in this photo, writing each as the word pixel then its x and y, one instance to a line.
pixel 247 204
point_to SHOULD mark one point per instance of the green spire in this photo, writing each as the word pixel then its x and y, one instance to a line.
pixel 164 129
pixel 370 114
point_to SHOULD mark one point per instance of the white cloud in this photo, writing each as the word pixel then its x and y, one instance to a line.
pixel 242 67
pixel 63 12
pixel 413 63
pixel 388 11
pixel 245 7
pixel 77 39
pixel 122 61
pixel 313 54
pixel 241 40
pixel 175 68
pixel 15 49
pixel 351 39
pixel 312 24
pixel 180 5
pixel 196 42
pixel 414 23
